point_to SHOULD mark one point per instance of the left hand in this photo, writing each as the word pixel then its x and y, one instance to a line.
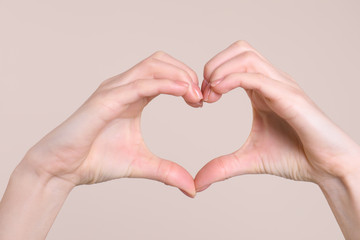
pixel 290 136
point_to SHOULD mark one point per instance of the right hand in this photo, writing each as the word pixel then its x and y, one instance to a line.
pixel 102 140
pixel 290 136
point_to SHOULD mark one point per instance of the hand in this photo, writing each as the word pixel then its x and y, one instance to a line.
pixel 102 139
pixel 290 136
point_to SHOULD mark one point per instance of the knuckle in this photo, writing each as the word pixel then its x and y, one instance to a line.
pixel 207 70
pixel 216 74
pixel 221 164
pixel 194 75
pixel 103 98
pixel 137 85
pixel 184 75
pixel 105 102
pixel 295 92
pixel 242 44
pixel 300 97
pixel 258 85
pixel 260 76
pixel 250 56
pixel 158 54
pixel 149 64
pixel 163 171
pixel 104 83
pixel 99 95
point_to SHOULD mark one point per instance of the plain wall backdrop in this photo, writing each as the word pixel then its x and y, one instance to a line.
pixel 53 55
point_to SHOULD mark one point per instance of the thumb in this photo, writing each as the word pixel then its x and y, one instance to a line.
pixel 165 171
pixel 224 167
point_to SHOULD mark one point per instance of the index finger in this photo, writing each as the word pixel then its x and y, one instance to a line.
pixel 163 56
pixel 234 49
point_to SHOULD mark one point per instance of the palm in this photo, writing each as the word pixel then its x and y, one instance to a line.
pixel 116 149
pixel 274 146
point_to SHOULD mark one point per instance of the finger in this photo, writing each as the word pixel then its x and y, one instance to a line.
pixel 224 167
pixel 106 105
pixel 288 102
pixel 204 84
pixel 169 59
pixel 165 171
pixel 249 81
pixel 157 69
pixel 237 48
pixel 233 50
pixel 280 97
pixel 246 62
pixel 209 95
pixel 154 68
pixel 115 99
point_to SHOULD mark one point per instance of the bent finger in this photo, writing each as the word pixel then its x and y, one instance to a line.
pixel 163 56
pixel 246 62
pixel 106 105
pixel 288 102
pixel 152 68
pixel 233 50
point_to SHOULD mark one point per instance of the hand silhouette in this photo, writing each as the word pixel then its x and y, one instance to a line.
pixel 102 139
pixel 290 136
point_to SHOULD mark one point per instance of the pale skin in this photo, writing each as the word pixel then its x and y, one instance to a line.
pixel 102 141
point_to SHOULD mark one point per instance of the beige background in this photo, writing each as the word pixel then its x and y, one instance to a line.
pixel 53 54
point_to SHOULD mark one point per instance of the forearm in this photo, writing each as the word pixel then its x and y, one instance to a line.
pixel 30 204
pixel 343 196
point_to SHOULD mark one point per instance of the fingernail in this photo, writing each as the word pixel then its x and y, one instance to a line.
pixel 206 93
pixel 213 84
pixel 200 104
pixel 213 96
pixel 202 188
pixel 197 92
pixel 204 84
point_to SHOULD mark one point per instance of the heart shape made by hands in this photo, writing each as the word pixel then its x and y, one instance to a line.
pixel 274 144
pixel 187 129
pixel 114 148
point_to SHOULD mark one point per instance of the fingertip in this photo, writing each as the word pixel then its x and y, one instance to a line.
pixel 213 84
pixel 190 194
pixel 213 96
pixel 194 96
pixel 201 180
pixel 206 93
pixel 202 188
pixel 204 85
pixel 195 105
pixel 198 92
pixel 210 173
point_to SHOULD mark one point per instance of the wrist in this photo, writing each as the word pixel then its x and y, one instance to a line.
pixel 26 171
pixel 343 196
pixel 341 167
pixel 31 203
